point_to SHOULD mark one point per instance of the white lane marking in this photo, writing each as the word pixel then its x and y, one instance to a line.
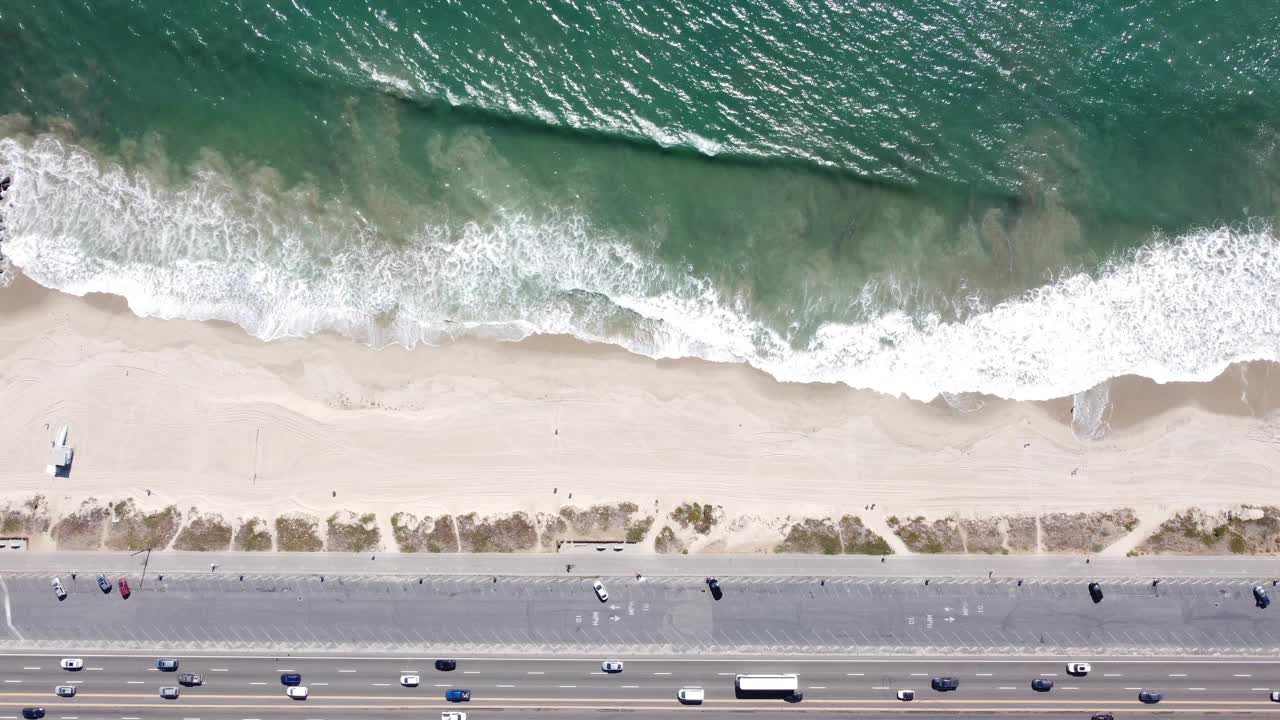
pixel 217 670
pixel 69 717
pixel 568 686
pixel 984 674
pixel 1195 688
pixel 817 687
pixel 1241 675
pixel 382 684
pixel 128 717
pixel 470 672
pixel 1177 674
pixel 1006 687
pixel 448 685
pixel 319 683
pixel 93 668
pixel 1112 674
pixel 36 668
pixel 1048 674
pixel 506 686
pixel 13 681
pixel 725 674
pixel 346 671
pixel 848 674
pixel 134 682
pixel 631 687
pixel 1133 688
pixel 74 682
pixel 919 674
pixel 415 672
pixel 662 673
pixel 880 687
pixel 1255 689
pixel 257 683
pixel 597 673
pixel 535 672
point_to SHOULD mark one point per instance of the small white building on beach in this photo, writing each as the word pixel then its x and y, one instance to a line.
pixel 60 456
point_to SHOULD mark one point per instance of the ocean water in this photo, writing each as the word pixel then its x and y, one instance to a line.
pixel 930 197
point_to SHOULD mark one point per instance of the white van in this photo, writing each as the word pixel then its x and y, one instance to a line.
pixel 690 695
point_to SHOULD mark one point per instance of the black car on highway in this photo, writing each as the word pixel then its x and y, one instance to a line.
pixel 945 684
pixel 1150 698
pixel 1103 716
pixel 1042 685
pixel 291 679
pixel 446 665
pixel 33 713
pixel 1095 592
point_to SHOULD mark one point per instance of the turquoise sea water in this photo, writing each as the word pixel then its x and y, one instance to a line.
pixel 1021 198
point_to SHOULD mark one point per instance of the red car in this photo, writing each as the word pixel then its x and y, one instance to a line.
pixel 124 589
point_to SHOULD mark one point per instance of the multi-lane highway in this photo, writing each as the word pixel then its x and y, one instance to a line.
pixel 120 687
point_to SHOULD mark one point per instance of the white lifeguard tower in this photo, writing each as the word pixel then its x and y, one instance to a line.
pixel 60 456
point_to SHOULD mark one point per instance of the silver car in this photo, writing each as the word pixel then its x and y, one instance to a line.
pixel 169 693
pixel 65 691
pixel 58 591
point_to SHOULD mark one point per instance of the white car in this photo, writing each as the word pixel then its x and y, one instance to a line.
pixel 453 716
pixel 611 666
pixel 297 692
pixel 65 691
pixel 410 680
pixel 72 663
pixel 169 693
pixel 690 695
pixel 1078 669
pixel 600 591
pixel 58 591
pixel 906 695
pixel 1275 696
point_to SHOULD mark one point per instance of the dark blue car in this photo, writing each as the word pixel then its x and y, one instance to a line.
pixel 291 679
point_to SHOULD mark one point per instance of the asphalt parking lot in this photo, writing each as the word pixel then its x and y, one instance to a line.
pixel 649 615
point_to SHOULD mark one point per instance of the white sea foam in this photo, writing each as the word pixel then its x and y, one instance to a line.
pixel 287 264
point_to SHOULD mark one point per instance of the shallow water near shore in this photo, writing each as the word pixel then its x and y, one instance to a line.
pixel 1019 202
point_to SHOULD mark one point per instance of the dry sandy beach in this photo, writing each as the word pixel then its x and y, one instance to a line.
pixel 200 414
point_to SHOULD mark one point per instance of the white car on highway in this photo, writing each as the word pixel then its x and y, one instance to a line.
pixel 65 691
pixel 410 680
pixel 906 695
pixel 297 692
pixel 600 591
pixel 611 666
pixel 1078 669
pixel 690 695
pixel 169 693
pixel 72 663
pixel 453 716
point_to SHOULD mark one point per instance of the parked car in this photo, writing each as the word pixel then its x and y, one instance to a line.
pixel 190 679
pixel 906 695
pixel 690 695
pixel 453 716
pixel 945 684
pixel 72 664
pixel 167 665
pixel 104 584
pixel 1150 698
pixel 297 692
pixel 290 679
pixel 169 693
pixel 61 594
pixel 600 591
pixel 32 713
pixel 65 691
pixel 446 665
pixel 1042 684
pixel 125 592
pixel 1078 669
pixel 1095 592
pixel 611 666
pixel 714 585
pixel 1260 597
pixel 456 695
pixel 410 680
